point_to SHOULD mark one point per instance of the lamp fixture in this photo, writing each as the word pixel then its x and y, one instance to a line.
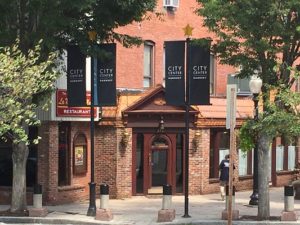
pixel 92 35
pixel 255 84
pixel 125 138
pixel 161 125
pixel 196 140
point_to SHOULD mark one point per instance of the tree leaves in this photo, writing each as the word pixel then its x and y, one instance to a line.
pixel 21 78
pixel 255 34
pixel 59 23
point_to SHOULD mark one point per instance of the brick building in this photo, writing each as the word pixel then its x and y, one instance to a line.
pixel 131 154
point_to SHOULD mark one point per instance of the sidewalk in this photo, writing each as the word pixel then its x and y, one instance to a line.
pixel 203 209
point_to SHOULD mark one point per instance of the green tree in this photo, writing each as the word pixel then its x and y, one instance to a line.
pixel 22 78
pixel 61 22
pixel 57 23
pixel 261 36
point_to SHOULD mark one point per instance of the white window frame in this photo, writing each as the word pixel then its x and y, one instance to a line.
pixel 149 77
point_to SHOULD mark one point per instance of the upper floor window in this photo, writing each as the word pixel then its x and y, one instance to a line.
pixel 148 64
pixel 242 84
pixel 212 74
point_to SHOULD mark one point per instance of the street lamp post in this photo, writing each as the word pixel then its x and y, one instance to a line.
pixel 92 203
pixel 188 33
pixel 255 88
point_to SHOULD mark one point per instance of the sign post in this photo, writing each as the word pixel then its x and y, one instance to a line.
pixel 231 121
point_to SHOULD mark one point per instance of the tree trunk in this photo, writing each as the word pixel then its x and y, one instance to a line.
pixel 19 158
pixel 263 176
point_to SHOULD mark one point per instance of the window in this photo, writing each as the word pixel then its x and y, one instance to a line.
pixel 219 147
pixel 148 64
pixel 285 156
pixel 212 74
pixel 6 165
pixel 179 163
pixel 31 166
pixel 242 84
pixel 164 67
pixel 291 157
pixel 63 154
pixel 245 162
pixel 279 157
pixel 139 168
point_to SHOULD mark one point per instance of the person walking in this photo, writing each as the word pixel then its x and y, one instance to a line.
pixel 224 175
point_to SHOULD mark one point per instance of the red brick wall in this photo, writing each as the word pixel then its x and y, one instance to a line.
pixel 106 158
pixel 199 167
pixel 168 27
pixel 124 165
pixel 283 179
pixel 49 133
pixel 48 165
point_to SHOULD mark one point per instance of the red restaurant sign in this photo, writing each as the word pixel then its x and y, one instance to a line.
pixel 63 110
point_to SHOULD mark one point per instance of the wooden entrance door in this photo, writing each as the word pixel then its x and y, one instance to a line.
pixel 159 163
pixel 157 160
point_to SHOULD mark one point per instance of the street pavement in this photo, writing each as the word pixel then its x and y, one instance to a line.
pixel 140 210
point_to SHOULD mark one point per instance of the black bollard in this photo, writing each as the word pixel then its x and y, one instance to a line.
pixel 166 214
pixel 167 197
pixel 288 198
pixel 288 214
pixel 104 213
pixel 104 196
pixel 37 196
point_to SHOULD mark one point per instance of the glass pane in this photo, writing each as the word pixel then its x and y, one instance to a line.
pixel 270 164
pixel 147 65
pixel 147 82
pixel 224 142
pixel 179 163
pixel 212 73
pixel 291 158
pixel 219 147
pixel 31 166
pixel 147 61
pixel 242 163
pixel 211 164
pixel 140 164
pixel 164 66
pixel 63 154
pixel 222 154
pixel 279 157
pixel 159 168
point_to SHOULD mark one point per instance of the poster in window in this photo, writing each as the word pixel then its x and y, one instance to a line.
pixel 79 156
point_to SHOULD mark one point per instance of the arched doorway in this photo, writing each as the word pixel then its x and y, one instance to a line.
pixel 157 160
pixel 160 158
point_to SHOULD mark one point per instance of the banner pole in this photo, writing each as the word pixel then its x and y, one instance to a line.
pixel 187 123
pixel 92 203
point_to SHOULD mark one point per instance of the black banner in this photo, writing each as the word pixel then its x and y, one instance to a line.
pixel 76 77
pixel 199 69
pixel 174 71
pixel 106 72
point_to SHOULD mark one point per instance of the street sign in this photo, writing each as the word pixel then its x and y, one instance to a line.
pixel 231 105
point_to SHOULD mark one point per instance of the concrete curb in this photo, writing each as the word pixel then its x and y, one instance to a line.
pixel 39 220
pixel 26 220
